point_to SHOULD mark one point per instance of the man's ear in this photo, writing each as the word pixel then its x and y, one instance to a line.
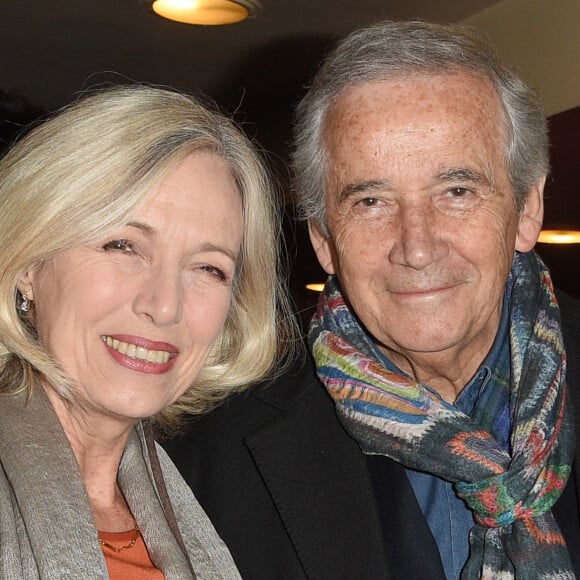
pixel 531 217
pixel 323 247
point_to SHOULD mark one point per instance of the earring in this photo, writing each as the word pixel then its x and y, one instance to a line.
pixel 24 304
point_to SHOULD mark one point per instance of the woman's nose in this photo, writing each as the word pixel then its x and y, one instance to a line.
pixel 160 297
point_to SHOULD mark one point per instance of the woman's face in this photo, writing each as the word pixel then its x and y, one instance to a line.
pixel 131 317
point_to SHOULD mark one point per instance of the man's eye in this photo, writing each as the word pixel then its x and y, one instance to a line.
pixel 459 192
pixel 119 245
pixel 369 201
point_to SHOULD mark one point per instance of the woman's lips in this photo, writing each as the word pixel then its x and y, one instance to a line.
pixel 141 354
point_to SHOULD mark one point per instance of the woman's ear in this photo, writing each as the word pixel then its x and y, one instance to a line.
pixel 26 283
pixel 531 217
pixel 323 247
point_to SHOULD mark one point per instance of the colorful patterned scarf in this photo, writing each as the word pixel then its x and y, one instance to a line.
pixel 511 495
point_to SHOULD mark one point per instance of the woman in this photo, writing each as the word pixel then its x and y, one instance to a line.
pixel 134 284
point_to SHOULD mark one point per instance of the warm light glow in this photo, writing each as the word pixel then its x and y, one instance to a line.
pixel 208 12
pixel 316 287
pixel 559 237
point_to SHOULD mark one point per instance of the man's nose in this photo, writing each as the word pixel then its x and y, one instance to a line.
pixel 418 244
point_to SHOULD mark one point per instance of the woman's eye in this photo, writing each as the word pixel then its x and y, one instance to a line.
pixel 215 272
pixel 120 246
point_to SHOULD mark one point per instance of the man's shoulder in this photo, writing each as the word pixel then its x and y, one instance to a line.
pixel 263 403
pixel 570 316
pixel 284 421
pixel 568 304
pixel 298 379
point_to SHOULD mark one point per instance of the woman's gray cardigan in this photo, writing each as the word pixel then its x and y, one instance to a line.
pixel 47 529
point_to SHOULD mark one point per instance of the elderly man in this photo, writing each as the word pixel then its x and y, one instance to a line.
pixel 431 433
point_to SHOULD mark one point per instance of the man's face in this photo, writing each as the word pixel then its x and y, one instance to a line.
pixel 421 214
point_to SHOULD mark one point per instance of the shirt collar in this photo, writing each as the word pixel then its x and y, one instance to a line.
pixel 472 390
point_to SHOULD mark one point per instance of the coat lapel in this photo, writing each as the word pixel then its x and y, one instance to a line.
pixel 317 478
pixel 405 529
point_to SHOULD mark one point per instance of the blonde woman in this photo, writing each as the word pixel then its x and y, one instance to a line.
pixel 135 285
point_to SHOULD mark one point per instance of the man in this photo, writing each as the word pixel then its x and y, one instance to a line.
pixel 430 435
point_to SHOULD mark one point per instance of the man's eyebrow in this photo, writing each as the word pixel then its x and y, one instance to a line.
pixel 362 187
pixel 461 174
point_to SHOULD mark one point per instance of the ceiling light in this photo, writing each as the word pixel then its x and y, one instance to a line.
pixel 208 12
pixel 569 236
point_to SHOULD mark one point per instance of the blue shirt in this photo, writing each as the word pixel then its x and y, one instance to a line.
pixel 448 517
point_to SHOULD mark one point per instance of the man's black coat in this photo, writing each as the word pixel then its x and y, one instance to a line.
pixel 291 493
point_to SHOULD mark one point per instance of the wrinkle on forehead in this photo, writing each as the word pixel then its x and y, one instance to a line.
pixel 359 124
pixel 415 93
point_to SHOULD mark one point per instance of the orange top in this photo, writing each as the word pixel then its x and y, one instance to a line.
pixel 132 564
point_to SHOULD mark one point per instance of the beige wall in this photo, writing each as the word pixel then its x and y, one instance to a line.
pixel 541 39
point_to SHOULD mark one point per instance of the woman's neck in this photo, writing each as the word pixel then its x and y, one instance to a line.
pixel 98 444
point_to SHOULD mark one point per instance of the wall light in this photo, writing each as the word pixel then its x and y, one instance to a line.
pixel 567 236
pixel 207 12
pixel 315 286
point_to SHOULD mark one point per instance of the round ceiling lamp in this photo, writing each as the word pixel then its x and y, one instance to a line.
pixel 205 12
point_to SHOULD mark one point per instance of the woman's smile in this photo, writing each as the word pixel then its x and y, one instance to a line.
pixel 138 354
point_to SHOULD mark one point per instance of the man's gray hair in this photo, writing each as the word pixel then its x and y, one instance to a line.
pixel 393 49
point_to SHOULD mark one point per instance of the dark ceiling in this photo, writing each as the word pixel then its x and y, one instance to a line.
pixel 256 70
pixel 53 49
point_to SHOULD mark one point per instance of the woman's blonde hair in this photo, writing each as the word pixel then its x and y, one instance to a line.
pixel 82 173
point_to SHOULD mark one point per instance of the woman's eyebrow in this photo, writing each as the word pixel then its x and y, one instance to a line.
pixel 150 231
pixel 209 247
pixel 145 228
